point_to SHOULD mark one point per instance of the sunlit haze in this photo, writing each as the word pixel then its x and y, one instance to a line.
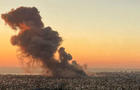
pixel 99 33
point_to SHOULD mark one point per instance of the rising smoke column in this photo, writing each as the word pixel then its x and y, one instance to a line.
pixel 36 41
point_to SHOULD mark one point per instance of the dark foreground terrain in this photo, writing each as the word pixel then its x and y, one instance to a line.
pixel 101 81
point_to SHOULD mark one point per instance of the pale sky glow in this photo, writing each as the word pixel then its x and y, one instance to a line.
pixel 100 33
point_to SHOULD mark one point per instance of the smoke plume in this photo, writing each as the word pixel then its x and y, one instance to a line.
pixel 40 43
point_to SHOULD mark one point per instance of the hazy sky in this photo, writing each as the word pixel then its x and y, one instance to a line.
pixel 100 33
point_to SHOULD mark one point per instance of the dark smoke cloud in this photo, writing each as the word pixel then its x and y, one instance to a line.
pixel 26 15
pixel 39 42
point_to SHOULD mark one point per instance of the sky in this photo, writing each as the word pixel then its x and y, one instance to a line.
pixel 99 33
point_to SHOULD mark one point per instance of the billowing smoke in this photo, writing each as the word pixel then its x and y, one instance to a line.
pixel 40 43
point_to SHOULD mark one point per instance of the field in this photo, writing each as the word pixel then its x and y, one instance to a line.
pixel 100 81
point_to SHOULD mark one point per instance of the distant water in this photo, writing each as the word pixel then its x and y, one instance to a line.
pixel 20 71
pixel 114 69
pixel 15 71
